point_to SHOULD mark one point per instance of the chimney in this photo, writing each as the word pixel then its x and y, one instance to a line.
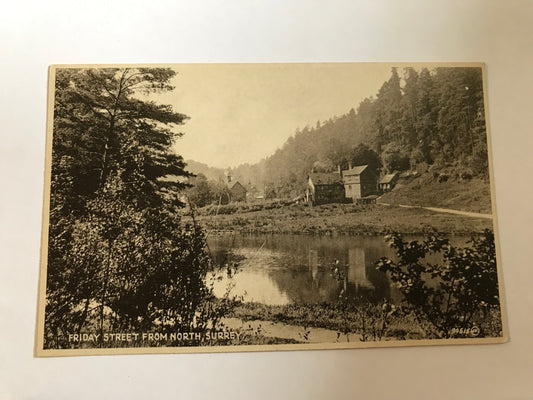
pixel 349 165
pixel 339 170
pixel 228 176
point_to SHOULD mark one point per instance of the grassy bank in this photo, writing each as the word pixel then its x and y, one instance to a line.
pixel 369 321
pixel 425 190
pixel 338 219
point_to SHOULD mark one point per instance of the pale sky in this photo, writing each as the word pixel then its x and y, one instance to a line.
pixel 243 112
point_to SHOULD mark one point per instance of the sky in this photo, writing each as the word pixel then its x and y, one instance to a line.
pixel 241 113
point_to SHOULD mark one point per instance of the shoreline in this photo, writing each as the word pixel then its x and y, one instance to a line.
pixel 366 322
pixel 336 219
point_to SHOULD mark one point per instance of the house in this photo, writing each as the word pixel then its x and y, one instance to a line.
pixel 359 182
pixel 237 192
pixel 387 182
pixel 324 187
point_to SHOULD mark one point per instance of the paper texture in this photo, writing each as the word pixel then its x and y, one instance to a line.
pixel 252 207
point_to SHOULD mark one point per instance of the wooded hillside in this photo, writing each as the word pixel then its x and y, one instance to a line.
pixel 419 120
pixel 424 118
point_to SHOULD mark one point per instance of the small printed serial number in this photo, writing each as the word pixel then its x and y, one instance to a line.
pixel 472 331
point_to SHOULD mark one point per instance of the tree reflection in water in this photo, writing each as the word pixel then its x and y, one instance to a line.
pixel 296 269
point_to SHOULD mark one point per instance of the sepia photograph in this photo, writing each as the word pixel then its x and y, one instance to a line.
pixel 259 207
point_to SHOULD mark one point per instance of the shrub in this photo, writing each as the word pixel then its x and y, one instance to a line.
pixel 447 299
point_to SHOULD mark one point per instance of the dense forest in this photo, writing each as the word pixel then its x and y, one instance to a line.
pixel 425 118
pixel 419 119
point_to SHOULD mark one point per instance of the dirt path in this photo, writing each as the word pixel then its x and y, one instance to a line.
pixel 284 331
pixel 445 210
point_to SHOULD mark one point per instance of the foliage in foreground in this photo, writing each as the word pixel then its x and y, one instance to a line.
pixel 452 298
pixel 119 257
pixel 455 295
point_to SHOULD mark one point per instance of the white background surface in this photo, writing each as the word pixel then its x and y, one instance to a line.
pixel 36 34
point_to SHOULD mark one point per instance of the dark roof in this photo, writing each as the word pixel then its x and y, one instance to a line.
pixel 355 170
pixel 387 178
pixel 325 178
pixel 236 185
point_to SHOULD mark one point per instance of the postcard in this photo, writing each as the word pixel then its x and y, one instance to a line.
pixel 259 207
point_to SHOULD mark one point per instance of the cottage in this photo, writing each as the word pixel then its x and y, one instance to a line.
pixel 323 188
pixel 252 192
pixel 237 192
pixel 387 182
pixel 359 182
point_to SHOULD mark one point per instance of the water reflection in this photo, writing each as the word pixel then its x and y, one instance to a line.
pixel 356 271
pixel 285 269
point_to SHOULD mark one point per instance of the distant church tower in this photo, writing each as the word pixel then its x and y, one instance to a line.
pixel 228 176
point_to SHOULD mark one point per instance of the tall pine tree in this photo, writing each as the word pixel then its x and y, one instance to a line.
pixel 119 256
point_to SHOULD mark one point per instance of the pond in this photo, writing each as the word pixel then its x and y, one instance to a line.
pixel 279 269
pixel 292 269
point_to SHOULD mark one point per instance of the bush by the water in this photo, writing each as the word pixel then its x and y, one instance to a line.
pixel 458 298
